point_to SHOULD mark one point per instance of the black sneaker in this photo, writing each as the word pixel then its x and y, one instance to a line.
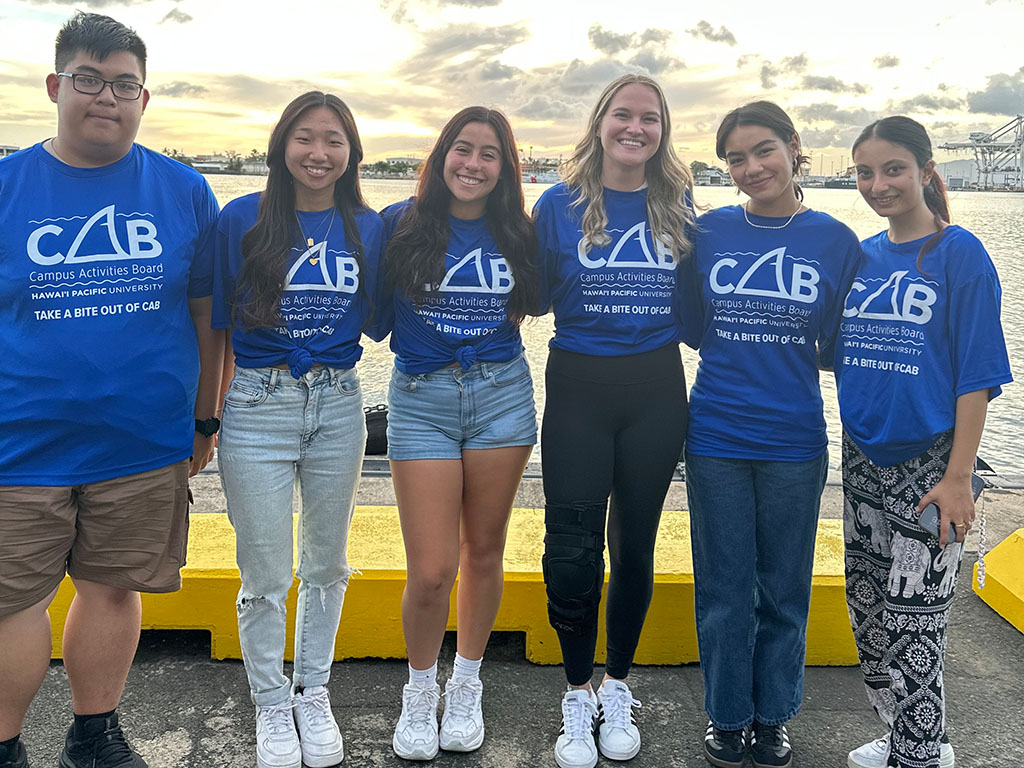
pixel 104 746
pixel 16 758
pixel 724 748
pixel 769 746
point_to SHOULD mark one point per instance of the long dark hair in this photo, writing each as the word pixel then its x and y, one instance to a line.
pixel 267 247
pixel 911 135
pixel 768 115
pixel 416 253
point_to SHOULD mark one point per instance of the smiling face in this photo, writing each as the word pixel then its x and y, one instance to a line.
pixel 761 166
pixel 890 180
pixel 316 155
pixel 630 132
pixel 471 170
pixel 98 129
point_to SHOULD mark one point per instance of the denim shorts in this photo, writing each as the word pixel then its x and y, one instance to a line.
pixel 440 414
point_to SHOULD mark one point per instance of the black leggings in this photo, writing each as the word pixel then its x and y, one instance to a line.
pixel 612 426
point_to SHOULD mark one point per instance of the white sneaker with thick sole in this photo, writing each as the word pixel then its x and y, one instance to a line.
pixel 575 747
pixel 875 754
pixel 462 724
pixel 416 732
pixel 618 738
pixel 277 741
pixel 319 737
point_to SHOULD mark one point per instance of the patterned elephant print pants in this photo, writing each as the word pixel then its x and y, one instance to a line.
pixel 899 596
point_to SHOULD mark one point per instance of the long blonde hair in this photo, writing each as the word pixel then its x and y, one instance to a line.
pixel 668 179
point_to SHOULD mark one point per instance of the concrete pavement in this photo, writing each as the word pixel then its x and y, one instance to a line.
pixel 183 710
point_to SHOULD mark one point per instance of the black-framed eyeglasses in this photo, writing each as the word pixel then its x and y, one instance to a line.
pixel 126 90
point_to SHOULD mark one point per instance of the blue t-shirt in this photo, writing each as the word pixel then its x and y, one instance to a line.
pixel 616 299
pixel 912 341
pixel 769 298
pixel 100 362
pixel 466 319
pixel 322 305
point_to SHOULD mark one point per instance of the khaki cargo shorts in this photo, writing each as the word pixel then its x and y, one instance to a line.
pixel 129 532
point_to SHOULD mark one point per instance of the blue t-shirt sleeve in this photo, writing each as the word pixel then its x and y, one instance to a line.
pixel 853 258
pixel 978 347
pixel 383 320
pixel 373 236
pixel 547 252
pixel 392 215
pixel 687 309
pixel 223 278
pixel 200 277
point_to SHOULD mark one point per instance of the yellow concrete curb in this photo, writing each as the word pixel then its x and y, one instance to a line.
pixel 1004 579
pixel 371 625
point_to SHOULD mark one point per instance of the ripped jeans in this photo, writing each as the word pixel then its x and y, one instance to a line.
pixel 279 432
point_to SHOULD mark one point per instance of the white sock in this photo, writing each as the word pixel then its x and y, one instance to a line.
pixel 466 668
pixel 589 689
pixel 425 678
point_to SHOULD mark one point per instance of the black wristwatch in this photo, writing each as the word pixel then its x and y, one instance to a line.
pixel 208 427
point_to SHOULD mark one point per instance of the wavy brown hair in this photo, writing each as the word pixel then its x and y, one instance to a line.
pixel 266 247
pixel 912 136
pixel 669 181
pixel 416 253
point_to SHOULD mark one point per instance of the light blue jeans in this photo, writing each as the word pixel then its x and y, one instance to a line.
pixel 278 432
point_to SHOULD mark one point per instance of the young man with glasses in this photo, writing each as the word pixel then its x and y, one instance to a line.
pixel 105 286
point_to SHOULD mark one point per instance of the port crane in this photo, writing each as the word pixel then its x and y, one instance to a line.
pixel 1001 151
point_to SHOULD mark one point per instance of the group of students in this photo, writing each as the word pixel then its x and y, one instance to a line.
pixel 768 291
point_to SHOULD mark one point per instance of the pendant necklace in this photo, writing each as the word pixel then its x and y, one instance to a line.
pixel 309 240
pixel 799 205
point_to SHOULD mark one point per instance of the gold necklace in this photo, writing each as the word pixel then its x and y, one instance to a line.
pixel 309 240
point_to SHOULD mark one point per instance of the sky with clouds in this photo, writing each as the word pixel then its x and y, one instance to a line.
pixel 220 73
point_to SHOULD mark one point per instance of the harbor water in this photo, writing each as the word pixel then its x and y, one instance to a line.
pixel 997 218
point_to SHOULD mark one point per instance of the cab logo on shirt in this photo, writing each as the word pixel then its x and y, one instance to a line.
pixel 318 269
pixel 897 298
pixel 104 236
pixel 626 254
pixel 474 274
pixel 776 274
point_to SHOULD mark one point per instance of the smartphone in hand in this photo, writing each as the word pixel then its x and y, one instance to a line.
pixel 929 519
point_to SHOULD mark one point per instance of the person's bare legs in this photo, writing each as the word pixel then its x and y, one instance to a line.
pixel 429 497
pixel 101 635
pixel 25 647
pixel 490 480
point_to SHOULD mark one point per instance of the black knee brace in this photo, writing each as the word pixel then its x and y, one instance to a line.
pixel 574 564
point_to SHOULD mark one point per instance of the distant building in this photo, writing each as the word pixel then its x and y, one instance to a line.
pixel 711 177
pixel 210 163
pixel 8 149
pixel 963 174
pixel 412 162
pixel 255 168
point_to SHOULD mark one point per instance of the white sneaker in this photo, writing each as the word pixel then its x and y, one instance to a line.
pixel 462 724
pixel 618 738
pixel 277 742
pixel 875 754
pixel 416 732
pixel 319 736
pixel 575 747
